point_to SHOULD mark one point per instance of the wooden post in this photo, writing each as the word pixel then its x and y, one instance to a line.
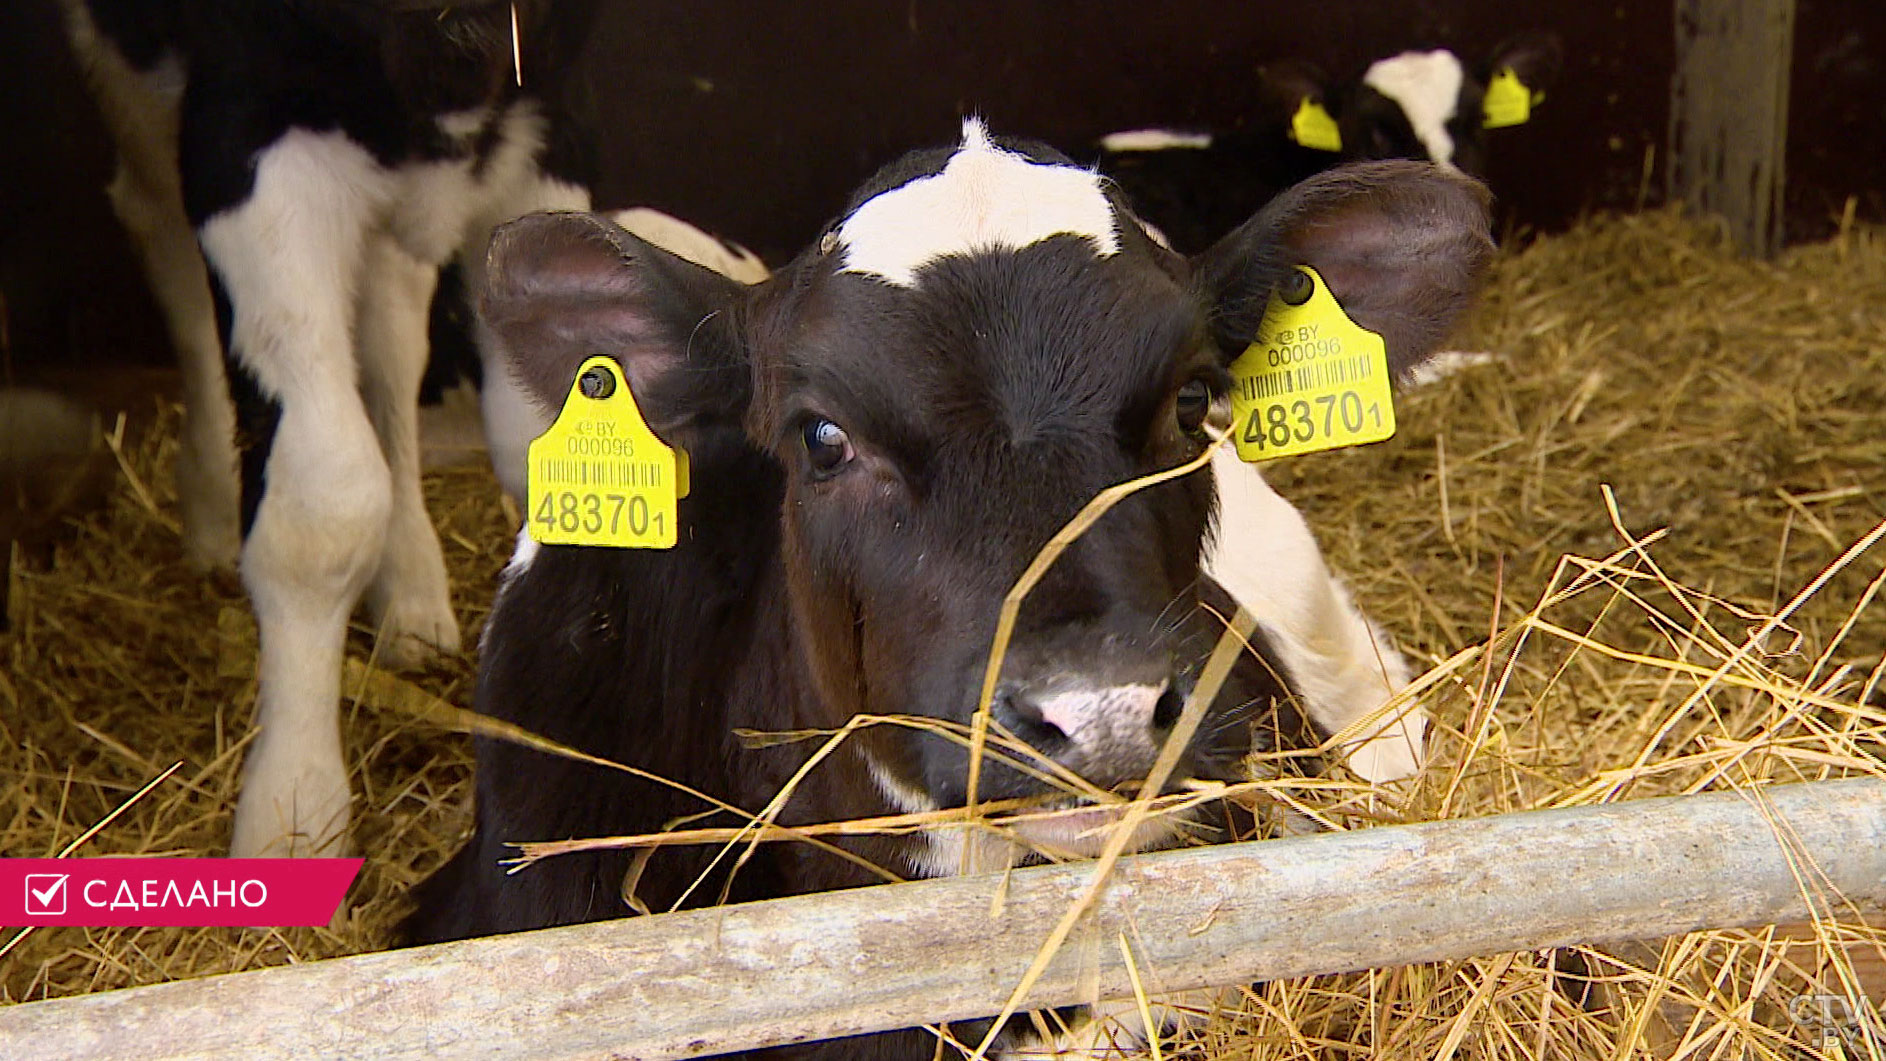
pixel 1729 114
pixel 709 981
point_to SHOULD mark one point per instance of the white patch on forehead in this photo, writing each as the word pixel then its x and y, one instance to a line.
pixel 1427 86
pixel 984 199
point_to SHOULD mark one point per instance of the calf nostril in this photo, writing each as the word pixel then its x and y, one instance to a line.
pixel 1020 715
pixel 1167 708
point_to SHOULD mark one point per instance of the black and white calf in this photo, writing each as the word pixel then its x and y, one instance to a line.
pixel 325 157
pixel 882 436
pixel 1196 185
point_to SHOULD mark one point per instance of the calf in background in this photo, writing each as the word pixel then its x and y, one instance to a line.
pixel 882 437
pixel 323 159
pixel 1196 185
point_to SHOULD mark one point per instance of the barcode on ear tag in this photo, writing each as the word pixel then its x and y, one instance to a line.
pixel 599 476
pixel 1311 380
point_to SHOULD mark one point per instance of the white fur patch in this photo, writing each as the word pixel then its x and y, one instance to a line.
pixel 1447 363
pixel 1083 831
pixel 984 199
pixel 512 418
pixel 1154 140
pixel 686 241
pixel 953 851
pixel 409 594
pixel 940 851
pixel 1427 86
pixel 1343 667
pixel 521 556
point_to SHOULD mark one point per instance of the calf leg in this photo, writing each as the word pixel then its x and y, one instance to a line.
pixel 409 595
pixel 207 489
pixel 141 109
pixel 1341 666
pixel 318 493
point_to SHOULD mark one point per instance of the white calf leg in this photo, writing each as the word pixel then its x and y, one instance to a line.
pixel 207 491
pixel 140 107
pixel 409 594
pixel 307 558
pixel 511 421
pixel 1342 667
pixel 289 257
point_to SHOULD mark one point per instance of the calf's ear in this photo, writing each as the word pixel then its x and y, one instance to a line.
pixel 1402 246
pixel 560 288
pixel 1535 57
pixel 1287 84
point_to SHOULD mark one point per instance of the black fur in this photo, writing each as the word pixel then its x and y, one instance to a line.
pixel 144 30
pixel 258 414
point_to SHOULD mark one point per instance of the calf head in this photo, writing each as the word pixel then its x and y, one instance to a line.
pixel 982 342
pixel 1426 105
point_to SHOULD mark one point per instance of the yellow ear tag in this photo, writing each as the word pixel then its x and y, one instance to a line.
pixel 1312 127
pixel 1311 380
pixel 599 476
pixel 1508 101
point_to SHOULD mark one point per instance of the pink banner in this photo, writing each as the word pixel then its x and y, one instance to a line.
pixel 248 892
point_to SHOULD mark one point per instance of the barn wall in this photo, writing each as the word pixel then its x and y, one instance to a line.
pixel 755 117
pixel 806 100
pixel 1837 114
pixel 70 286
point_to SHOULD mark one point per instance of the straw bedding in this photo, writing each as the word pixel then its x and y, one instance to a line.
pixel 1669 447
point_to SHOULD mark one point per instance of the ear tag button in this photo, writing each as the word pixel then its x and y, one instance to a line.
pixel 599 476
pixel 1508 101
pixel 1313 127
pixel 1311 380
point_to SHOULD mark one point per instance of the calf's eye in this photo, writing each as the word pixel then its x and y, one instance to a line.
pixel 826 445
pixel 1193 402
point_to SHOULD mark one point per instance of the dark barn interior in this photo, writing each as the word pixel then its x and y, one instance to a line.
pixel 753 120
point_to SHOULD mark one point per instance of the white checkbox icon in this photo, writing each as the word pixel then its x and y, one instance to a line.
pixel 45 894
